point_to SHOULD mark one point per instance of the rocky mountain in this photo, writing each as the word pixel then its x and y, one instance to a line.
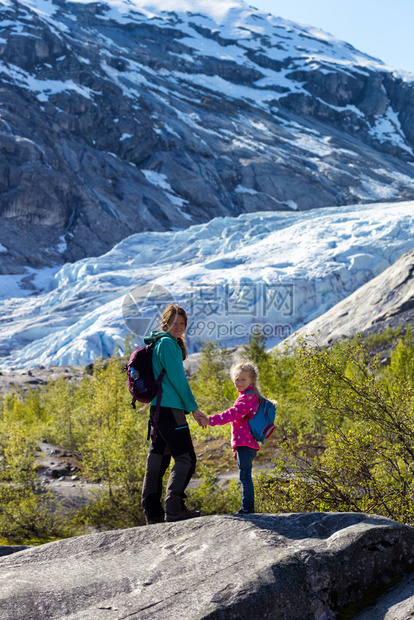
pixel 385 301
pixel 121 117
pixel 312 566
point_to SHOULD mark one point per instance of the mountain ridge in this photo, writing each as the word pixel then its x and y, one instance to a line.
pixel 116 119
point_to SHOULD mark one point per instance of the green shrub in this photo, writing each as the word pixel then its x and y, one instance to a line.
pixel 30 516
pixel 367 421
pixel 27 512
pixel 210 497
pixel 402 359
pixel 211 385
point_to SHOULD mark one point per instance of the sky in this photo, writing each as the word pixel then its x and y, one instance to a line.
pixel 380 28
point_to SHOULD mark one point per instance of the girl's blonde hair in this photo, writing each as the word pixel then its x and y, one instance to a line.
pixel 172 311
pixel 249 367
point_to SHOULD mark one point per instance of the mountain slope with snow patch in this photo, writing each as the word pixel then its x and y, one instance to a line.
pixel 126 116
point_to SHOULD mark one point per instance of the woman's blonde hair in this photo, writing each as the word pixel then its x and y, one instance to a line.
pixel 172 311
pixel 250 368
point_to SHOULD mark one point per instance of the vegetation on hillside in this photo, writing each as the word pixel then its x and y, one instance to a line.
pixel 345 420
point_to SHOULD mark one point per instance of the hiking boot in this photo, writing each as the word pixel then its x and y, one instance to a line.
pixel 243 511
pixel 154 519
pixel 180 515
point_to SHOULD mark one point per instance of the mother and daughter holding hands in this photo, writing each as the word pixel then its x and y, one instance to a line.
pixel 173 438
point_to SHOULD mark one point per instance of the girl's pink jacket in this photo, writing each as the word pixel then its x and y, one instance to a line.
pixel 239 415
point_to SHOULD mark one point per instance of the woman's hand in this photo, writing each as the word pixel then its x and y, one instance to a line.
pixel 200 418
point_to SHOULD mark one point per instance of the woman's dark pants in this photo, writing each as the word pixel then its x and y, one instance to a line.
pixel 173 439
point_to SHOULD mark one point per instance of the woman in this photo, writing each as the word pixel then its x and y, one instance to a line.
pixel 173 434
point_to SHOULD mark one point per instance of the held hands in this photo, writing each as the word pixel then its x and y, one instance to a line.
pixel 200 418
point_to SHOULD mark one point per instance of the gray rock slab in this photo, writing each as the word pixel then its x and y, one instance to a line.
pixel 396 604
pixel 292 566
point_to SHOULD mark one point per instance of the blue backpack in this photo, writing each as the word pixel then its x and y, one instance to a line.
pixel 262 425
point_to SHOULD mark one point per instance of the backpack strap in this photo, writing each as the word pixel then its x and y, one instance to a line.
pixel 157 409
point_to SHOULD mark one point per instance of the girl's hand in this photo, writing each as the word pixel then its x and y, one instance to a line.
pixel 200 418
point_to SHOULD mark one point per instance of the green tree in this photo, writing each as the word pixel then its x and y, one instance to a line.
pixel 402 359
pixel 368 425
pixel 116 455
pixel 27 512
pixel 58 399
pixel 255 350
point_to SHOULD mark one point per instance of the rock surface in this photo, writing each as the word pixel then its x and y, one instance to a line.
pixel 102 137
pixel 60 472
pixel 286 567
pixel 23 379
pixel 384 301
pixel 397 604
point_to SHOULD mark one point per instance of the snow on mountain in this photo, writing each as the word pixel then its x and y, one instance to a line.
pixel 133 115
pixel 209 129
pixel 226 30
pixel 385 302
pixel 275 270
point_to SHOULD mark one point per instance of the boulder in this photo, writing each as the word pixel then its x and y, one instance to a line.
pixel 396 604
pixel 286 566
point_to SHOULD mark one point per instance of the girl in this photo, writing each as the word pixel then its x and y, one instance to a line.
pixel 173 434
pixel 245 377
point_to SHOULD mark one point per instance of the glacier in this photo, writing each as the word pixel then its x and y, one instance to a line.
pixel 273 271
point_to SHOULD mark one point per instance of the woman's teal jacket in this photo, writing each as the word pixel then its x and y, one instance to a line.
pixel 167 354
